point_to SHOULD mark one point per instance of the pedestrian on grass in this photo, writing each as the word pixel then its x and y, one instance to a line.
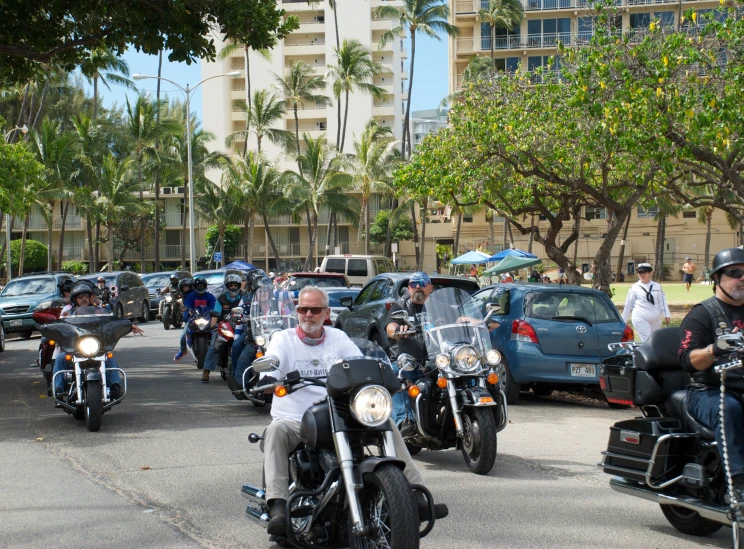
pixel 689 269
pixel 647 303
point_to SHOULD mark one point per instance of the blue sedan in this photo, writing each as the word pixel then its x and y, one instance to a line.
pixel 551 336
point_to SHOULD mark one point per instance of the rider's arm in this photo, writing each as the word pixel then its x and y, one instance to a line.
pixel 696 339
pixel 278 348
pixel 395 326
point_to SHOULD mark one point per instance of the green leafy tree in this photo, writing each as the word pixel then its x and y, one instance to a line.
pixel 102 65
pixel 218 204
pixel 20 172
pixel 501 14
pixel 265 112
pixel 402 228
pixel 230 241
pixel 31 257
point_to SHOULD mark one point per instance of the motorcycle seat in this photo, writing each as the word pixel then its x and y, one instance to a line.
pixel 660 352
pixel 676 405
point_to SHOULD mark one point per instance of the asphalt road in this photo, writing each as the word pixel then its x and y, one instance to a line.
pixel 167 466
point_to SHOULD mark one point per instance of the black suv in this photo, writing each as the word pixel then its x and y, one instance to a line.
pixel 133 299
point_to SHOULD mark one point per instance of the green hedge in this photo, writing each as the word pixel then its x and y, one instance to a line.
pixel 75 267
pixel 35 255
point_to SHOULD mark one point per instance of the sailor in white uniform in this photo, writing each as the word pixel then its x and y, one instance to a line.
pixel 647 303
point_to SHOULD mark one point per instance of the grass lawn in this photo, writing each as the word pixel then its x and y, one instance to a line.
pixel 675 292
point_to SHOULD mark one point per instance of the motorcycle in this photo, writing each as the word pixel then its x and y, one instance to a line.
pixel 199 334
pixel 341 493
pixel 269 315
pixel 88 339
pixel 666 456
pixel 451 404
pixel 228 327
pixel 171 309
pixel 44 313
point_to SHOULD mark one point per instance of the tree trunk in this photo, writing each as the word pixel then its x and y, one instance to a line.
pixel 41 105
pixel 338 127
pixel 346 118
pixel 621 252
pixel 142 218
pixel 363 227
pixel 89 234
pixel 422 255
pixel 309 258
pixel 14 132
pixel 659 255
pixel 246 49
pixel 506 235
pixel 297 138
pixel 328 232
pixel 271 242
pixel 493 39
pixel 95 96
pixel 60 257
pixel 335 20
pixel 389 235
pixel 184 233
pixel 407 118
pixel 602 267
pixel 22 253
pixel 156 251
pixel 49 238
pixel 532 234
pixel 415 232
pixel 366 227
pixel 222 246
pixel 491 232
pixel 3 250
pixel 708 221
pixel 510 236
pixel 456 251
pixel 577 228
pixel 249 240
pixel 97 258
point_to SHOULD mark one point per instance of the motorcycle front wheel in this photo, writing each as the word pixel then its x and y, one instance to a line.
pixel 389 508
pixel 93 405
pixel 166 318
pixel 479 439
pixel 201 345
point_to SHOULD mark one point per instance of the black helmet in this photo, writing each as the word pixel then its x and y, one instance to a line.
pixel 200 284
pixel 233 278
pixel 66 285
pixel 185 282
pixel 174 279
pixel 257 279
pixel 724 258
pixel 80 289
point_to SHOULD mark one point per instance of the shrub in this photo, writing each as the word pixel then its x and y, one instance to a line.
pixel 35 255
pixel 77 268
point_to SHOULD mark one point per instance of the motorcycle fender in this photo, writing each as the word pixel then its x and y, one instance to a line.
pixel 477 397
pixel 372 463
pixel 93 374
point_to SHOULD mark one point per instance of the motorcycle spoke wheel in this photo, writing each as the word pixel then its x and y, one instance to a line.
pixel 479 440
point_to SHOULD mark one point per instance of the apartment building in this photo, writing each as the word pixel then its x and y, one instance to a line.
pixel 425 122
pixel 546 23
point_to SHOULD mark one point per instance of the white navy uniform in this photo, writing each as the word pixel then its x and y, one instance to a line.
pixel 647 317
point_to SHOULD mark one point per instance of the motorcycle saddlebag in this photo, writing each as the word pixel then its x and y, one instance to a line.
pixel 632 443
pixel 617 379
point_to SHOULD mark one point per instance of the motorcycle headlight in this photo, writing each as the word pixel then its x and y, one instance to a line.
pixel 260 341
pixel 493 357
pixel 466 358
pixel 89 346
pixel 442 361
pixel 372 405
pixel 168 299
pixel 201 323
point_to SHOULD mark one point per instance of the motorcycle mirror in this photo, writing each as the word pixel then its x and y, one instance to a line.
pixel 493 307
pixel 399 315
pixel 237 310
pixel 265 364
pixel 406 363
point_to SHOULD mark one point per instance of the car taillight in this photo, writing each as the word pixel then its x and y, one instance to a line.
pixel 523 331
pixel 388 305
pixel 625 402
pixel 628 334
pixel 602 383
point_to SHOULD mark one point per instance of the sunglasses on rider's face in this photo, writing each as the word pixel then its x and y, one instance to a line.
pixel 233 285
pixel 733 273
pixel 314 310
pixel 415 285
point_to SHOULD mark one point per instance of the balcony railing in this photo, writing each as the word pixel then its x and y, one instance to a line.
pixel 465 44
pixel 313 42
pixel 466 7
pixel 171 251
pixel 72 254
pixel 34 222
pixel 173 219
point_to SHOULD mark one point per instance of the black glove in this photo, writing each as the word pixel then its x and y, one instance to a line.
pixel 268 380
pixel 727 343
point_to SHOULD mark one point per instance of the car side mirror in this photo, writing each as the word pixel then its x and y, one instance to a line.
pixel 493 307
pixel 265 364
pixel 346 301
pixel 124 288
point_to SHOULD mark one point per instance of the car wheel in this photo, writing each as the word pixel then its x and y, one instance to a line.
pixel 145 315
pixel 2 338
pixel 506 383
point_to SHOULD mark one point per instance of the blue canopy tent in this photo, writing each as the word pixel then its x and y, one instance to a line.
pixel 239 265
pixel 511 252
pixel 470 258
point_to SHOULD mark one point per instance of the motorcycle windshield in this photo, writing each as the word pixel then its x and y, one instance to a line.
pixel 451 319
pixel 202 312
pixel 369 349
pixel 90 321
pixel 272 311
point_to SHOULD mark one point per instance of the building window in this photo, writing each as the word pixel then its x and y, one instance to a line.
pixel 467 218
pixel 689 214
pixel 505 39
pixel 651 212
pixel 545 33
pixel 508 64
pixel 595 212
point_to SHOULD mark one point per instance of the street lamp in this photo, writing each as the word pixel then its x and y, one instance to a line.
pixel 187 91
pixel 23 129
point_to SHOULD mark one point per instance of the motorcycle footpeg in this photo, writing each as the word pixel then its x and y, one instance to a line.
pixel 253 438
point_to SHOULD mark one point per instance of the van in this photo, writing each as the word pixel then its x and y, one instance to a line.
pixel 359 269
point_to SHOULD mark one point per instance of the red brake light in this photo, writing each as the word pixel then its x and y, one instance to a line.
pixel 602 383
pixel 388 305
pixel 628 335
pixel 523 331
pixel 621 401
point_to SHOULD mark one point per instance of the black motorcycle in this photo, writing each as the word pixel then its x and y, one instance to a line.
pixel 451 404
pixel 87 339
pixel 171 309
pixel 341 493
pixel 199 335
pixel 666 456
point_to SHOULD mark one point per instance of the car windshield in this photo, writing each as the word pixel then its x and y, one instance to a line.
pixel 110 279
pixel 334 298
pixel 297 283
pixel 29 286
pixel 212 278
pixel 156 280
pixel 568 306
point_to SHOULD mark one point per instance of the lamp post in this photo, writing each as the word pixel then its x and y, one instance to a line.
pixel 187 91
pixel 23 129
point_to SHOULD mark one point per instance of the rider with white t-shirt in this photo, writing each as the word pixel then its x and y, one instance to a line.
pixel 647 304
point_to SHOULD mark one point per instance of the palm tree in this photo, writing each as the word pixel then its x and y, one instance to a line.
pixel 371 168
pixel 117 196
pixel 96 68
pixel 220 205
pixel 299 87
pixel 501 14
pixel 478 69
pixel 353 71
pixel 321 181
pixel 265 111
pixel 429 17
pixel 332 4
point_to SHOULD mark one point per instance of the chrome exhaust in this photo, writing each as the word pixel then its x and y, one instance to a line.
pixel 256 509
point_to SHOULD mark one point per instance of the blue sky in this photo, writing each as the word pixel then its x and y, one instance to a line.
pixel 429 85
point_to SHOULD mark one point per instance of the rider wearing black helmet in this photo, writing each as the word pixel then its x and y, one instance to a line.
pixel 200 297
pixel 172 286
pixel 65 287
pixel 233 296
pixel 185 287
pixel 708 333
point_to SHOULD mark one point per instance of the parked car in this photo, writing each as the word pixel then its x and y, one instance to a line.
pixel 367 315
pixel 22 295
pixel 216 279
pixel 296 281
pixel 2 332
pixel 132 298
pixel 334 299
pixel 551 336
pixel 154 282
pixel 357 268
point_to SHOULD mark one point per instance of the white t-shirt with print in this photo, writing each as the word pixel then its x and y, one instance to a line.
pixel 311 361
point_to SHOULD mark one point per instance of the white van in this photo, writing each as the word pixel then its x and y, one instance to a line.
pixel 359 269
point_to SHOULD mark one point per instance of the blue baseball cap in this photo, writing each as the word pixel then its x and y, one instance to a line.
pixel 420 278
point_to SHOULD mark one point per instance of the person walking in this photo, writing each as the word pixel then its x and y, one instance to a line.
pixel 689 269
pixel 647 303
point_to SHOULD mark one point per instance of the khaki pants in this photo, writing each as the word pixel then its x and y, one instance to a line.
pixel 283 436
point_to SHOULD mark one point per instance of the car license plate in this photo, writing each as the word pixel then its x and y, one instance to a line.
pixel 18 322
pixel 583 370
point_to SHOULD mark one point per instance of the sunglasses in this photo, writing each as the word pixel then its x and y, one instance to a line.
pixel 314 310
pixel 233 285
pixel 415 285
pixel 733 273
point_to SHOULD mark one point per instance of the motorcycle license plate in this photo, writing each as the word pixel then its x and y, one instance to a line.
pixel 583 370
pixel 18 322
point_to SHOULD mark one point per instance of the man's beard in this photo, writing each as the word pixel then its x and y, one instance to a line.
pixel 737 294
pixel 418 296
pixel 311 327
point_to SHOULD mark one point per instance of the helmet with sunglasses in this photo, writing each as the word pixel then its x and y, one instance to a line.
pixel 80 289
pixel 257 279
pixel 236 281
pixel 185 282
pixel 419 278
pixel 726 258
pixel 200 284
pixel 174 279
pixel 66 286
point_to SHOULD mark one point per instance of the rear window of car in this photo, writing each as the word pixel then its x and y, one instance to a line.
pixel 357 267
pixel 569 305
pixel 298 282
pixel 465 285
pixel 156 281
pixel 31 286
pixel 336 266
pixel 212 278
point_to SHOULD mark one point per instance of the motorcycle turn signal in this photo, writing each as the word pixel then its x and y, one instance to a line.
pixel 414 391
pixel 442 382
pixel 280 391
pixel 493 378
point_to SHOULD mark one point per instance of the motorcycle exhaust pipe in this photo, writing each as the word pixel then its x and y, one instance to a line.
pixel 256 509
